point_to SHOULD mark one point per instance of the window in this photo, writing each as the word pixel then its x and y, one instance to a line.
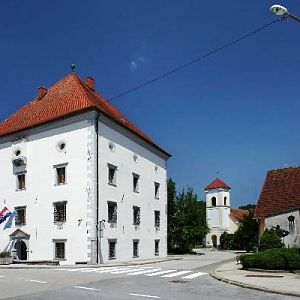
pixel 60 174
pixel 136 215
pixel 157 219
pixel 225 200
pixel 112 249
pixel 135 178
pixel 112 170
pixel 135 248
pixel 291 220
pixel 213 201
pixel 21 181
pixel 59 249
pixel 20 219
pixel 112 215
pixel 60 211
pixel 156 247
pixel 156 190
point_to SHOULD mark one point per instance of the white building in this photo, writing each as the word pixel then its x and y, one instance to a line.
pixel 279 204
pixel 88 186
pixel 219 216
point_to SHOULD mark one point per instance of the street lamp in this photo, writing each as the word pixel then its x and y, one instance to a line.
pixel 282 11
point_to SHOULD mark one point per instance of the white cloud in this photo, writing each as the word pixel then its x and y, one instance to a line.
pixel 134 64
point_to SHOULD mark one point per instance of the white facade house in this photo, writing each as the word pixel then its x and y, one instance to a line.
pixel 278 205
pixel 219 216
pixel 87 185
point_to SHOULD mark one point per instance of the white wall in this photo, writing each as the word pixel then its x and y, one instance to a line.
pixel 41 191
pixel 125 231
pixel 293 239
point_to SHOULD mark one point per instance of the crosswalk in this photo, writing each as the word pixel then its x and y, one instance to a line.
pixel 136 270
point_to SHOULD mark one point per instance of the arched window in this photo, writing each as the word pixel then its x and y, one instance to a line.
pixel 225 201
pixel 213 201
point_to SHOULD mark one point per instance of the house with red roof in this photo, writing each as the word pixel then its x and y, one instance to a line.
pixel 87 185
pixel 219 216
pixel 279 204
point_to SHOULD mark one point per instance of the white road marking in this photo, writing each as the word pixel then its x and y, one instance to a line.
pixel 144 272
pixel 107 270
pixel 126 271
pixel 85 288
pixel 1 276
pixel 81 269
pixel 37 281
pixel 194 275
pixel 160 273
pixel 176 274
pixel 146 296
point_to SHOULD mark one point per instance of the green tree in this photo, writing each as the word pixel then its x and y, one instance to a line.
pixel 188 226
pixel 171 185
pixel 270 240
pixel 246 237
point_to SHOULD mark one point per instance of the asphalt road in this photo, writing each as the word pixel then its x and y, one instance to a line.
pixel 180 279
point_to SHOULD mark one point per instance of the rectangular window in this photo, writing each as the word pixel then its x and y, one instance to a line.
pixel 112 214
pixel 21 181
pixel 135 178
pixel 156 190
pixel 135 249
pixel 157 219
pixel 112 249
pixel 20 219
pixel 112 171
pixel 60 211
pixel 156 247
pixel 59 249
pixel 60 175
pixel 136 215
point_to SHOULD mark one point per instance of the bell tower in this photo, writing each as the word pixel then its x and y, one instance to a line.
pixel 217 210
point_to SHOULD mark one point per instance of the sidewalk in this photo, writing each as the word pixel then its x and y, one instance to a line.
pixel 273 282
pixel 107 264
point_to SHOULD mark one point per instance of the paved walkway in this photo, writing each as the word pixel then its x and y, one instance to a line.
pixel 275 282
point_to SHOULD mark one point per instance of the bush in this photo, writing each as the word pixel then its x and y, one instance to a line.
pixel 226 241
pixel 270 240
pixel 4 254
pixel 273 259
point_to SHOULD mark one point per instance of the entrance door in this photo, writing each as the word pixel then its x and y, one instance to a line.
pixel 21 248
pixel 214 240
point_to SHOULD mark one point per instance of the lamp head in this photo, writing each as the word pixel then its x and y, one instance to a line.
pixel 278 10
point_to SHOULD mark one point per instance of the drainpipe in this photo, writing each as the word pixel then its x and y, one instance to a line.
pixel 97 191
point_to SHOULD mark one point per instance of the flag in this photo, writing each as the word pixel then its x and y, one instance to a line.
pixel 3 211
pixel 10 219
pixel 4 214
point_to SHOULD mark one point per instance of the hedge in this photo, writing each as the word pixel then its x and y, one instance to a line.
pixel 273 259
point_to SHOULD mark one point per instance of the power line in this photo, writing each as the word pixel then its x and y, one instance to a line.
pixel 197 59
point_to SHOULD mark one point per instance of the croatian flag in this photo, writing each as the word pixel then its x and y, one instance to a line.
pixel 4 214
pixel 10 220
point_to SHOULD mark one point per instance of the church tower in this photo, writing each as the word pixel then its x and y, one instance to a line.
pixel 217 211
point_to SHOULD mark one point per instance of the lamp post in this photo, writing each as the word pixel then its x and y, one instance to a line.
pixel 283 12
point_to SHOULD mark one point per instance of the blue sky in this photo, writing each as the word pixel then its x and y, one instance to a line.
pixel 233 115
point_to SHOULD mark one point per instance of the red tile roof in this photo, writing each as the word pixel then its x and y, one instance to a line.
pixel 238 214
pixel 67 96
pixel 280 192
pixel 217 184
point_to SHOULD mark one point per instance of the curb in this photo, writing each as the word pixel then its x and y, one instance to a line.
pixel 83 266
pixel 213 274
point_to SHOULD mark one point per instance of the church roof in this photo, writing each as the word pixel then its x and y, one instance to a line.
pixel 68 96
pixel 280 192
pixel 238 214
pixel 217 184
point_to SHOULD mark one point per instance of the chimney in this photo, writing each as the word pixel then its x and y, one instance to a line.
pixel 41 92
pixel 90 81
